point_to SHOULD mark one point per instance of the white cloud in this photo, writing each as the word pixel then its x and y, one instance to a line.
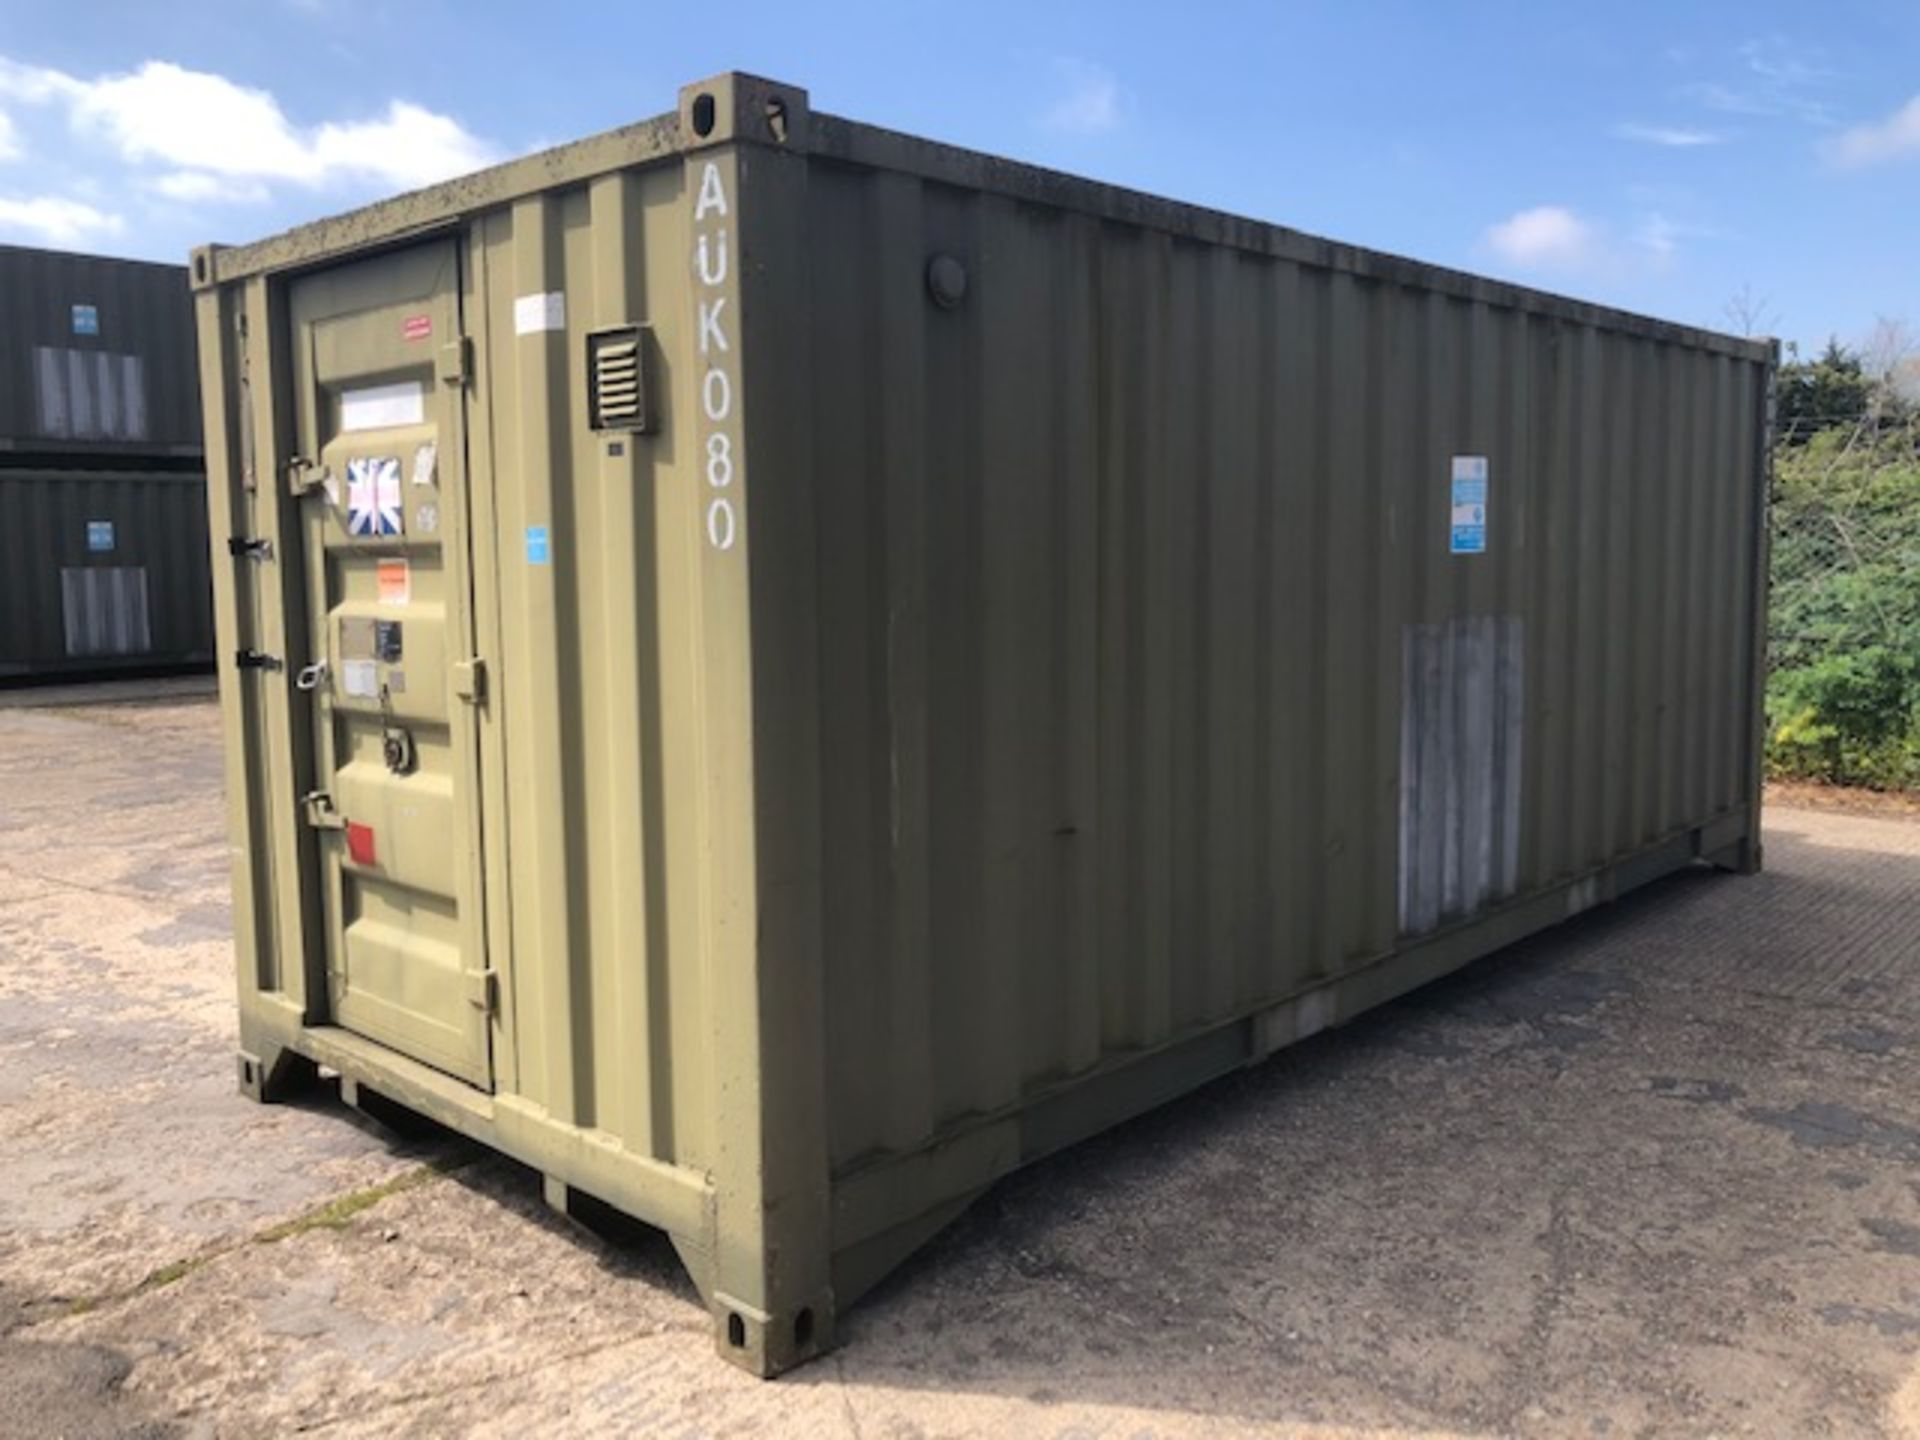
pixel 1894 138
pixel 1727 100
pixel 1555 238
pixel 207 125
pixel 1547 237
pixel 31 83
pixel 9 138
pixel 1672 136
pixel 1091 102
pixel 55 220
pixel 411 145
pixel 198 186
pixel 1658 236
pixel 1778 60
pixel 1778 79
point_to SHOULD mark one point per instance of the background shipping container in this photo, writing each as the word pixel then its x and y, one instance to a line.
pixel 96 357
pixel 103 570
pixel 103 537
pixel 798 669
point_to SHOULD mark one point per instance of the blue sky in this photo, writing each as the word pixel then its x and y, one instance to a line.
pixel 1661 156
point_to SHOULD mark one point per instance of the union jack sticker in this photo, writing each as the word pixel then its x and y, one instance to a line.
pixel 373 496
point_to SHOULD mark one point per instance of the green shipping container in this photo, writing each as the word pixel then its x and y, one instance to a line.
pixel 102 571
pixel 783 671
pixel 96 361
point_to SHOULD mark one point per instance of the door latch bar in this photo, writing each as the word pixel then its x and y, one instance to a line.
pixel 483 989
pixel 470 680
pixel 304 475
pixel 321 815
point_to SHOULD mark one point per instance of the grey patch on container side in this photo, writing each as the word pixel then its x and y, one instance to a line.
pixel 1462 716
pixel 104 610
pixel 1583 895
pixel 89 394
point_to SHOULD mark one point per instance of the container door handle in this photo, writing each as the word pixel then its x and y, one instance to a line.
pixel 304 475
pixel 310 677
pixel 320 812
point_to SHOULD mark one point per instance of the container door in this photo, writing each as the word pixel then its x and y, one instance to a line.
pixel 395 795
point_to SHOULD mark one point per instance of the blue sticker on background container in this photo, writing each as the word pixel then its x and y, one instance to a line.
pixel 1469 505
pixel 538 551
pixel 99 535
pixel 86 320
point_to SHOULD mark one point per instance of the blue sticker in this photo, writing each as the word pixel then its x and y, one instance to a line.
pixel 1469 535
pixel 538 551
pixel 99 535
pixel 86 320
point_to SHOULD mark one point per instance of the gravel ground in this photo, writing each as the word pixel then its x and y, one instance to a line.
pixel 1657 1173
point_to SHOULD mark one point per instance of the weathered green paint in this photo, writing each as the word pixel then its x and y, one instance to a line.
pixel 967 720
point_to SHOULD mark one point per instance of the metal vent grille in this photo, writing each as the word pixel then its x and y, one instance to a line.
pixel 617 373
pixel 105 610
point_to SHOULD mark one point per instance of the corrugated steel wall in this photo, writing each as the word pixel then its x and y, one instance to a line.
pixel 598 752
pixel 75 596
pixel 1151 691
pixel 119 380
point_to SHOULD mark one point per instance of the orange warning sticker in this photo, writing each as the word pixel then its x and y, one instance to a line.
pixel 396 582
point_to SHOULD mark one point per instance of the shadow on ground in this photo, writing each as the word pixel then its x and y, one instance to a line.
pixel 1653 1171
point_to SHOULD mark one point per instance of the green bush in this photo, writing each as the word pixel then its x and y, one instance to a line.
pixel 1843 691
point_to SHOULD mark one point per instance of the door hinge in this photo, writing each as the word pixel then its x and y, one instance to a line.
pixel 321 815
pixel 453 363
pixel 246 547
pixel 470 680
pixel 304 475
pixel 255 660
pixel 483 989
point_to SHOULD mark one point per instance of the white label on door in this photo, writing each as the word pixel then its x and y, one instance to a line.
pixel 379 406
pixel 535 313
pixel 360 678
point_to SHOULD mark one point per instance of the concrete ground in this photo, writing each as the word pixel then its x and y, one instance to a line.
pixel 1657 1173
